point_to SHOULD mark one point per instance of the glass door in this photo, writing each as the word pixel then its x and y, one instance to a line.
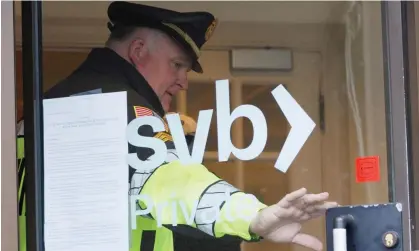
pixel 348 61
pixel 345 77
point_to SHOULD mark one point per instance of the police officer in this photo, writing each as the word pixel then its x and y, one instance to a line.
pixel 148 55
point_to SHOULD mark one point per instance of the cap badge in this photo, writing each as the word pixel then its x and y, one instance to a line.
pixel 211 29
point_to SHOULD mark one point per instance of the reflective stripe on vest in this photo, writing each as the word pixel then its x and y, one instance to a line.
pixel 147 228
pixel 21 192
pixel 163 238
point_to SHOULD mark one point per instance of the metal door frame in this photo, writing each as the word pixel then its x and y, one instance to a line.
pixel 402 110
pixel 412 107
pixel 401 116
pixel 33 116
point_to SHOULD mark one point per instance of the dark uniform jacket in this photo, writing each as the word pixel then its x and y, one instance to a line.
pixel 104 71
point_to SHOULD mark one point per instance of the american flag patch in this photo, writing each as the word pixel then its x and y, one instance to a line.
pixel 142 111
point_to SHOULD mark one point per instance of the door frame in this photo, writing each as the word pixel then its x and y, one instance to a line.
pixel 401 110
pixel 400 119
pixel 411 48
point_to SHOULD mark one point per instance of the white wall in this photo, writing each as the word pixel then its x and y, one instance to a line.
pixel 9 230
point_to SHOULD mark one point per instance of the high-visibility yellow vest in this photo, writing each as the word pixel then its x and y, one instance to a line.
pixel 21 192
pixel 196 191
pixel 163 236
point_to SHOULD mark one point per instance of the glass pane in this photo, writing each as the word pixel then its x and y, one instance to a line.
pixel 201 96
pixel 173 104
pixel 341 87
pixel 56 66
pixel 336 75
pixel 269 186
pixel 225 170
pixel 260 96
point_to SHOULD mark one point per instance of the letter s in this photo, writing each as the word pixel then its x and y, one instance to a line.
pixel 160 150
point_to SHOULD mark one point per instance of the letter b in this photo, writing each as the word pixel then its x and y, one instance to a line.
pixel 225 120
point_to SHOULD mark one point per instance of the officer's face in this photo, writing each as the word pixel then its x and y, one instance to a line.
pixel 165 69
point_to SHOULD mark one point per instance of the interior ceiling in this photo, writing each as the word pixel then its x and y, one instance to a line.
pixel 226 11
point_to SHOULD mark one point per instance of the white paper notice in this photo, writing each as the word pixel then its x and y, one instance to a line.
pixel 86 173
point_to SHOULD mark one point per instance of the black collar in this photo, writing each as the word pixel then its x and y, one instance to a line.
pixel 107 61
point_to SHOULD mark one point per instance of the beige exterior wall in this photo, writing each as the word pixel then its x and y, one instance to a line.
pixel 9 230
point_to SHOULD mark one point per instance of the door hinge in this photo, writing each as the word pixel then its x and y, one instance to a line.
pixel 322 124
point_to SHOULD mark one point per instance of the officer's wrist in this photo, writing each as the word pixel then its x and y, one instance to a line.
pixel 253 228
pixel 254 237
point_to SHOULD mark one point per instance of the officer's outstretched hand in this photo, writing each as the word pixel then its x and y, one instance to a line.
pixel 281 222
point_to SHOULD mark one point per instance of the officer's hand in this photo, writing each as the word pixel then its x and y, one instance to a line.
pixel 189 124
pixel 281 222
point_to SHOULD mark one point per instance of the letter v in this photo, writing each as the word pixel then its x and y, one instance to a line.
pixel 201 136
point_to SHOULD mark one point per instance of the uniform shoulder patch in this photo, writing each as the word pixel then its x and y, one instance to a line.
pixel 164 136
pixel 141 111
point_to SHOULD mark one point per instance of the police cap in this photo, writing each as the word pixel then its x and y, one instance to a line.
pixel 190 29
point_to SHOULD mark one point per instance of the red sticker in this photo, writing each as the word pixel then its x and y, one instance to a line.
pixel 368 169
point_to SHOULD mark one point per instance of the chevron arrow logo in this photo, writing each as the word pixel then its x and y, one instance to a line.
pixel 301 127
